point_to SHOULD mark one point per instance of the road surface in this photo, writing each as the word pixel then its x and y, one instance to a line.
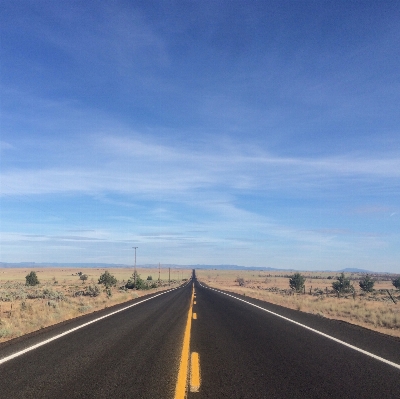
pixel 233 350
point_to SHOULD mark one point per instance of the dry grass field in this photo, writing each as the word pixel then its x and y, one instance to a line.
pixel 62 295
pixel 374 310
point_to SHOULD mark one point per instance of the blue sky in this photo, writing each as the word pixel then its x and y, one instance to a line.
pixel 256 133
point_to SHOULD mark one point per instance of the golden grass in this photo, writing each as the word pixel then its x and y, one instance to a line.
pixel 375 311
pixel 26 309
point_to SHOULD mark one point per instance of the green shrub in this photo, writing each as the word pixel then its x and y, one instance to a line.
pixel 107 279
pixel 342 285
pixel 296 282
pixel 396 283
pixel 31 279
pixel 367 284
pixel 149 277
pixel 54 295
pixel 140 283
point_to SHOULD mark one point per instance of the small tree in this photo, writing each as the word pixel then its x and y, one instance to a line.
pixel 83 277
pixel 136 282
pixel 342 285
pixel 107 279
pixel 296 282
pixel 149 277
pixel 396 283
pixel 367 284
pixel 31 279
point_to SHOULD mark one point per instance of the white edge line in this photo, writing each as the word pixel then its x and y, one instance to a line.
pixel 381 359
pixel 31 348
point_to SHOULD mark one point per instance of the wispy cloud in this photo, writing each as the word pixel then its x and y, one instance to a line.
pixel 125 165
pixel 5 146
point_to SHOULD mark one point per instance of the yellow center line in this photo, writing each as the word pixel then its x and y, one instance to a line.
pixel 194 372
pixel 180 389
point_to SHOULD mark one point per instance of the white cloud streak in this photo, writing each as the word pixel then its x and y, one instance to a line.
pixel 138 166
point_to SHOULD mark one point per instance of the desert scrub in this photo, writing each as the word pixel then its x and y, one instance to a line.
pixel 84 308
pixel 13 291
pixel 46 294
pixel 24 309
pixel 5 332
pixel 17 292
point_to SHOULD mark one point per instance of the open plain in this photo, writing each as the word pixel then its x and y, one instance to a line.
pixel 62 295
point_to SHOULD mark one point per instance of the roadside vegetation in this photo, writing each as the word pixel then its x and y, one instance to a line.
pixel 296 282
pixel 29 302
pixel 368 300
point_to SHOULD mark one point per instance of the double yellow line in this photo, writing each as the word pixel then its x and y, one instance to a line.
pixel 181 384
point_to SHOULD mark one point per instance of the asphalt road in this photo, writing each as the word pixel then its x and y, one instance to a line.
pixel 244 352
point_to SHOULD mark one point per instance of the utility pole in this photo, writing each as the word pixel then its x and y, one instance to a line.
pixel 134 271
pixel 159 271
pixel 169 276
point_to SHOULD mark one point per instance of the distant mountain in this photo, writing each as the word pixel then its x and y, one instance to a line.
pixel 354 270
pixel 172 266
pixel 114 265
pixel 234 267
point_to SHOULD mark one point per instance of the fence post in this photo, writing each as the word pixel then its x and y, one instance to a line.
pixel 391 297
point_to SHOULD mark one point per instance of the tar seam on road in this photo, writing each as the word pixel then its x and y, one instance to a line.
pixel 30 348
pixel 381 359
pixel 181 384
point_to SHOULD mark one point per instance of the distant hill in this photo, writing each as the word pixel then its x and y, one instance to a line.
pixel 172 266
pixel 354 270
pixel 235 267
pixel 113 265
